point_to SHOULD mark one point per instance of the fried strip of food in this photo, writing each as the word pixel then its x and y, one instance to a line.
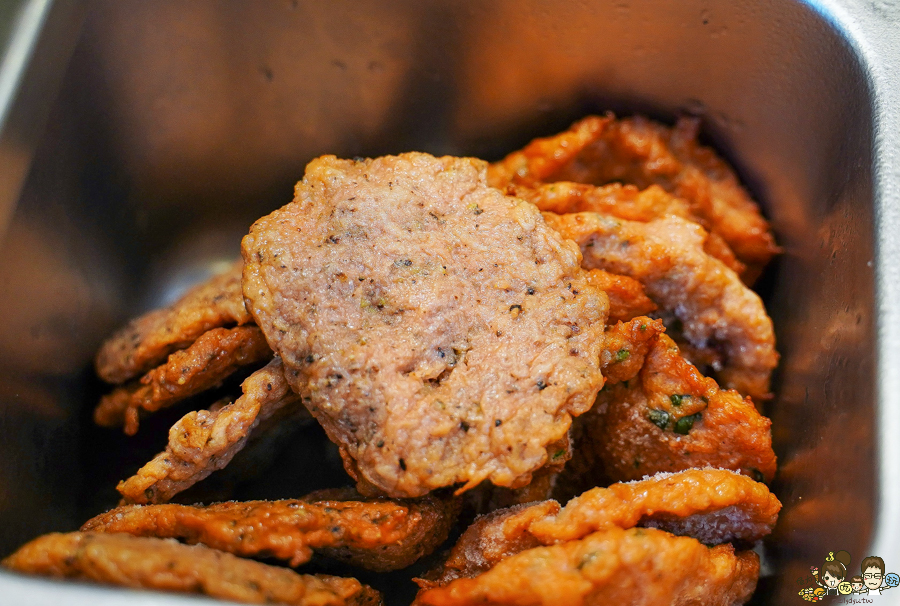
pixel 624 202
pixel 146 341
pixel 644 153
pixel 627 299
pixel 542 158
pixel 719 315
pixel 208 361
pixel 378 534
pixel 142 563
pixel 639 566
pixel 711 505
pixel 443 333
pixel 672 418
pixel 203 441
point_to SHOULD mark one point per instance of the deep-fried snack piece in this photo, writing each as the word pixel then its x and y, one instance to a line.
pixel 627 299
pixel 719 315
pixel 641 152
pixel 442 332
pixel 121 559
pixel 711 505
pixel 638 566
pixel 209 360
pixel 624 202
pixel 378 534
pixel 203 441
pixel 146 341
pixel 673 418
pixel 625 346
pixel 545 157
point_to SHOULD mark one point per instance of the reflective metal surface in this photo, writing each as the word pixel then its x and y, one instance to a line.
pixel 177 124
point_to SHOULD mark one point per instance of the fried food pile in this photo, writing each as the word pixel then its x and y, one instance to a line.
pixel 557 358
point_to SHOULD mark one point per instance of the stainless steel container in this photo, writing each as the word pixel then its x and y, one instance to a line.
pixel 134 167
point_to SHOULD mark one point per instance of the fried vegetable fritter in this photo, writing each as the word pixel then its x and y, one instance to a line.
pixel 378 534
pixel 711 505
pixel 121 559
pixel 718 315
pixel 146 341
pixel 672 418
pixel 209 360
pixel 638 151
pixel 638 566
pixel 204 441
pixel 441 331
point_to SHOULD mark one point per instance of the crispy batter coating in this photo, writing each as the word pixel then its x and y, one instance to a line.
pixel 442 332
pixel 672 418
pixel 627 299
pixel 208 361
pixel 378 534
pixel 719 315
pixel 146 341
pixel 204 441
pixel 121 559
pixel 625 347
pixel 711 505
pixel 644 153
pixel 638 566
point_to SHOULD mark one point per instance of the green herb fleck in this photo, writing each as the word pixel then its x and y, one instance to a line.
pixel 559 454
pixel 677 399
pixel 660 418
pixel 622 355
pixel 684 424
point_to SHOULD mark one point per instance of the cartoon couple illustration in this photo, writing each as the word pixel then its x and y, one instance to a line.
pixel 872 579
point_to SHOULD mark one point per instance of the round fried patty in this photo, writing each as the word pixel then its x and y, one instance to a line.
pixel 439 330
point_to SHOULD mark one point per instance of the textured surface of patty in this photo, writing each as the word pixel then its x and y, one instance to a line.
pixel 638 566
pixel 672 418
pixel 441 331
pixel 378 534
pixel 719 316
pixel 121 559
pixel 147 340
pixel 208 361
pixel 204 441
pixel 711 505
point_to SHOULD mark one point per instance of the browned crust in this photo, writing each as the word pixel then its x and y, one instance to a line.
pixel 625 346
pixel 204 441
pixel 614 566
pixel 378 534
pixel 147 563
pixel 208 361
pixel 627 298
pixel 146 341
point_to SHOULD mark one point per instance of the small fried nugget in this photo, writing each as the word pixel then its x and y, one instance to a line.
pixel 644 153
pixel 672 418
pixel 711 505
pixel 121 559
pixel 627 299
pixel 625 346
pixel 719 315
pixel 638 566
pixel 204 441
pixel 146 341
pixel 208 361
pixel 378 534
pixel 443 333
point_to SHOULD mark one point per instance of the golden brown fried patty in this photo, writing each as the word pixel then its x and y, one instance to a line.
pixel 146 341
pixel 672 418
pixel 718 314
pixel 204 441
pixel 639 567
pixel 209 360
pixel 121 559
pixel 627 299
pixel 711 505
pixel 643 153
pixel 442 333
pixel 378 534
